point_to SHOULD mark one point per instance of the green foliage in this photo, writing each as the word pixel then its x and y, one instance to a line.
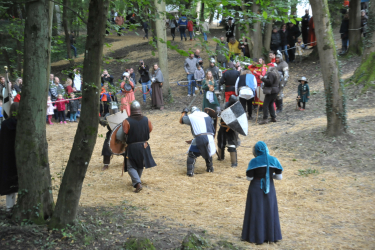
pixel 138 244
pixel 194 242
pixel 307 172
pixel 58 47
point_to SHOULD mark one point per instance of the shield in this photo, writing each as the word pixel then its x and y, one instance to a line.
pixel 117 147
pixel 235 118
pixel 212 113
pixel 117 118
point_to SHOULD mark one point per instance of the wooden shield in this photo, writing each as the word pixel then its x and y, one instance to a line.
pixel 117 147
pixel 117 118
pixel 212 113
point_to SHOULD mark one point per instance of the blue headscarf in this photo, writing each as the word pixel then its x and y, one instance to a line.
pixel 263 159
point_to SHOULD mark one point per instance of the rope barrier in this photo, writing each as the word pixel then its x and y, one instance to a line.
pixel 295 47
pixel 68 99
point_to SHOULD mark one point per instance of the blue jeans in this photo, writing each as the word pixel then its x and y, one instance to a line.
pixel 73 116
pixel 191 86
pixel 286 53
pixel 182 31
pixel 191 35
pixel 345 42
pixel 75 50
pixel 205 36
pixel 146 85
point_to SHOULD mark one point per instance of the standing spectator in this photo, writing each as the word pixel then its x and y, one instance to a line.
pixel 132 76
pixel 182 24
pixel 190 27
pixel 157 84
pixel 145 28
pixel 272 56
pixel 127 88
pixel 271 89
pixel 221 51
pixel 284 41
pixel 305 26
pixel 8 166
pixel 106 77
pixel 293 34
pixel 198 75
pixel 113 16
pixel 243 45
pixel 230 28
pixel 258 69
pixel 275 40
pixel 172 25
pixel 312 37
pixel 209 85
pixel 233 48
pixel 363 22
pixel 197 55
pixel 68 86
pixel 50 110
pixel 205 30
pixel 56 89
pixel 105 98
pixel 51 77
pixel 143 70
pixel 190 66
pixel 76 78
pixel 60 106
pixel 344 31
pixel 119 20
pixel 17 86
pixel 73 108
pixel 72 39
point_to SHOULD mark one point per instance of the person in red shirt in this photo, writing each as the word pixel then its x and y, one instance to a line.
pixel 190 27
pixel 272 56
pixel 258 68
pixel 60 106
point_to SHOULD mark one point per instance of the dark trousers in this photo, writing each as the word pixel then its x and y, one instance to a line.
pixel 305 36
pixel 303 104
pixel 292 52
pixel 61 115
pixel 173 32
pixel 268 106
pixel 182 31
pixel 146 33
pixel 249 104
pixel 106 159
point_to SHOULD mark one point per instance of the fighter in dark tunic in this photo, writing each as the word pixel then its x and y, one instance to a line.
pixel 228 138
pixel 137 129
pixel 203 143
pixel 106 151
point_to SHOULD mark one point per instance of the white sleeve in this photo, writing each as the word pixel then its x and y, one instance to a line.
pixel 236 85
pixel 277 176
pixel 249 178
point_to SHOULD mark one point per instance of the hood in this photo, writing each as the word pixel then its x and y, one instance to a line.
pixel 261 148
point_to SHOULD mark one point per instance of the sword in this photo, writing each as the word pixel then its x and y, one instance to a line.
pixel 192 102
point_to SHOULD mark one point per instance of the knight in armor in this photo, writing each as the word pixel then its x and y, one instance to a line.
pixel 282 67
pixel 228 138
pixel 203 143
pixel 137 129
pixel 106 151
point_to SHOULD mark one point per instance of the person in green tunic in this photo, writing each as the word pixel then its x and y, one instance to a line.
pixel 303 93
pixel 209 85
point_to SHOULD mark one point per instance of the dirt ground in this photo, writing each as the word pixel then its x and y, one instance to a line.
pixel 326 197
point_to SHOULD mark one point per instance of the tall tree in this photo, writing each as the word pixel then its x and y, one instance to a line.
pixel 365 73
pixel 355 39
pixel 247 27
pixel 162 39
pixel 85 138
pixel 35 201
pixel 66 28
pixel 267 36
pixel 256 32
pixel 333 87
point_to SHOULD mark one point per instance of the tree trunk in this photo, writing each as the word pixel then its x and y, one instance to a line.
pixel 202 13
pixel 334 89
pixel 212 14
pixel 85 138
pixel 19 57
pixel 250 43
pixel 365 73
pixel 267 36
pixel 35 201
pixel 162 46
pixel 65 25
pixel 256 33
pixel 237 22
pixel 355 39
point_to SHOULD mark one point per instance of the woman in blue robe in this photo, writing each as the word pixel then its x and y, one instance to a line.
pixel 261 223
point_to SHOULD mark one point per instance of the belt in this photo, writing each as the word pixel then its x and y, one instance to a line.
pixel 204 134
pixel 137 142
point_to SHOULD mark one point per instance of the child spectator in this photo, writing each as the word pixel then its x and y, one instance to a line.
pixel 73 108
pixel 299 48
pixel 68 86
pixel 198 76
pixel 303 93
pixel 50 109
pixel 60 106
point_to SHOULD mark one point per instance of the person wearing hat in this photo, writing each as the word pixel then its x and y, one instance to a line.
pixel 127 89
pixel 303 93
pixel 230 28
pixel 283 68
pixel 203 144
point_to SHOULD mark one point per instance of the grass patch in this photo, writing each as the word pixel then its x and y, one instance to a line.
pixel 307 172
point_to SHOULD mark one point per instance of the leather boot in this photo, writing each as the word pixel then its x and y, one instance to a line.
pixel 190 170
pixel 221 154
pixel 279 106
pixel 138 188
pixel 190 164
pixel 209 165
pixel 233 159
pixel 273 120
pixel 262 122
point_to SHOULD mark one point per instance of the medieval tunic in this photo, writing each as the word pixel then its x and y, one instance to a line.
pixel 203 132
pixel 303 92
pixel 206 103
pixel 128 97
pixel 157 91
pixel 8 168
pixel 261 222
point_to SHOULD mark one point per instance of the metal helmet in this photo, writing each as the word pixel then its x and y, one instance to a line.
pixel 194 108
pixel 135 108
pixel 212 60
